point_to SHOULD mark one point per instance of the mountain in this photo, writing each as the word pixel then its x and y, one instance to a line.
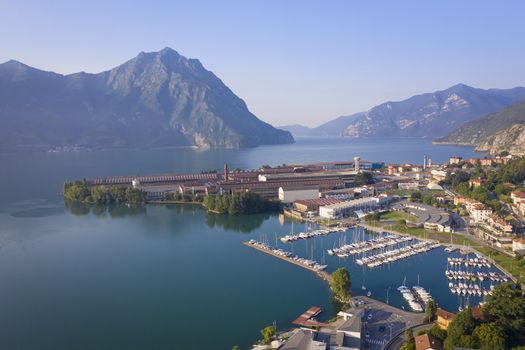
pixel 431 114
pixel 297 130
pixel 428 115
pixel 155 99
pixel 328 129
pixel 496 132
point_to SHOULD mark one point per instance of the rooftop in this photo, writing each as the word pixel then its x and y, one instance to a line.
pixel 426 341
pixel 445 314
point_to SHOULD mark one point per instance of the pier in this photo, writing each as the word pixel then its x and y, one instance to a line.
pixel 323 274
pixel 306 318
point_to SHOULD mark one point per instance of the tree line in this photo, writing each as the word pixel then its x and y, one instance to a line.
pixel 239 203
pixel 80 192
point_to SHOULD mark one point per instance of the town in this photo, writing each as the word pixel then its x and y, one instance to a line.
pixel 413 208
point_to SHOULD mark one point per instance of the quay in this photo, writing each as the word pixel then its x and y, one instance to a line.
pixel 306 318
pixel 323 274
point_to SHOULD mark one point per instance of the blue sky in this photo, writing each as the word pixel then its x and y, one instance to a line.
pixel 291 61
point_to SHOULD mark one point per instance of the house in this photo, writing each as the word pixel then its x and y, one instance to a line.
pixel 486 161
pixel 518 245
pixel 502 160
pixel 479 212
pixel 303 339
pixel 443 318
pixel 352 325
pixel 517 197
pixel 408 185
pixel 427 342
pixel 500 225
pixel 476 182
pixel 455 160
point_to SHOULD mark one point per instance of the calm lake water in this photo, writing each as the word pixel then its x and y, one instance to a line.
pixel 171 277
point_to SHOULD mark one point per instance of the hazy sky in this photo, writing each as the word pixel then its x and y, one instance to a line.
pixel 291 61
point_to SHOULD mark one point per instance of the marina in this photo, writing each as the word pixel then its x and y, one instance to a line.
pixel 310 234
pixel 416 297
pixel 376 259
pixel 397 254
pixel 366 246
pixel 478 261
pixel 288 256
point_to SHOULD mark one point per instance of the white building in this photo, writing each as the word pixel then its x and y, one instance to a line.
pixel 290 194
pixel 345 209
pixel 479 212
pixel 408 185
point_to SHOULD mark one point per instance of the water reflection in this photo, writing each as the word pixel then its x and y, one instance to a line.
pixel 240 223
pixel 103 210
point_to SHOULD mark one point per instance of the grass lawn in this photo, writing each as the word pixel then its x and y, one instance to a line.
pixel 397 215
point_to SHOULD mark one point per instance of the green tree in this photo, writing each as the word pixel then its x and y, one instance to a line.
pixel 236 347
pixel 430 310
pixel 341 283
pixel 410 343
pixel 461 325
pixel 437 332
pixel 267 333
pixel 416 196
pixel 506 309
pixel 489 336
pixel 364 178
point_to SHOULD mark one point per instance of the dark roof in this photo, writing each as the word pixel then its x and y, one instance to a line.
pixel 353 324
pixel 300 340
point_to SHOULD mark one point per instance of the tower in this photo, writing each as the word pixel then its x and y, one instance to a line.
pixel 226 172
pixel 357 163
pixel 424 162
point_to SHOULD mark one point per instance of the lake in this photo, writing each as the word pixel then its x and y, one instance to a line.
pixel 171 277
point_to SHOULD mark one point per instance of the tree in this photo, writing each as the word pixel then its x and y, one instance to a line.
pixel 363 178
pixel 236 347
pixel 341 283
pixel 489 336
pixel 506 309
pixel 437 332
pixel 461 325
pixel 267 333
pixel 409 344
pixel 430 310
pixel 416 196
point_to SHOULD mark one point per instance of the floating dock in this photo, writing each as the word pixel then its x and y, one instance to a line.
pixel 306 318
pixel 323 274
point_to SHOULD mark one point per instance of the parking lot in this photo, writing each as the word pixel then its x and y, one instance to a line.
pixel 382 321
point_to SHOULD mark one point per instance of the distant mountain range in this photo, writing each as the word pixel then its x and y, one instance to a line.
pixel 155 99
pixel 430 115
pixel 500 131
